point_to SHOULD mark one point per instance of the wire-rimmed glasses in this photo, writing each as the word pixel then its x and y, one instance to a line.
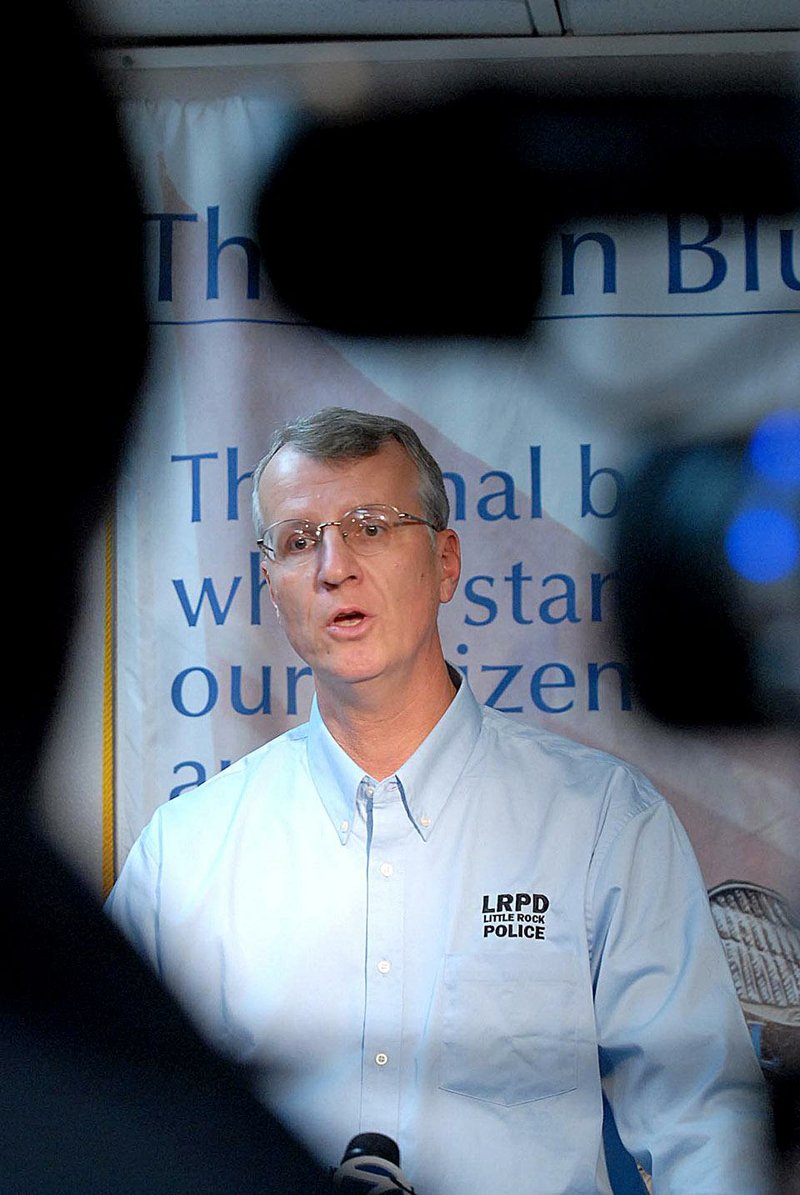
pixel 367 530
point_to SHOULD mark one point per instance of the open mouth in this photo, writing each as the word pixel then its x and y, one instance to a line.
pixel 349 618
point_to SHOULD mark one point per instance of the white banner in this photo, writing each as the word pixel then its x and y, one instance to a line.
pixel 689 314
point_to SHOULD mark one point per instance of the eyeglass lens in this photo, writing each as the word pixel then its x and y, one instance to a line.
pixel 367 530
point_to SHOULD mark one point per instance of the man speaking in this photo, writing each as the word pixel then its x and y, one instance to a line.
pixel 418 917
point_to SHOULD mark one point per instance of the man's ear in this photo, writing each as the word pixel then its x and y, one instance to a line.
pixel 448 547
pixel 268 579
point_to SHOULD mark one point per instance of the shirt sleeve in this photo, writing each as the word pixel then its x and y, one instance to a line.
pixel 133 903
pixel 677 1063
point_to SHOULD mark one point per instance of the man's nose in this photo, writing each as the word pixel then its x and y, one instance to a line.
pixel 336 560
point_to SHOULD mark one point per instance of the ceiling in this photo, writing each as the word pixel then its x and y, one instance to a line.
pixel 191 21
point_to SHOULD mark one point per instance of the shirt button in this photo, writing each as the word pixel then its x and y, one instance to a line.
pixel 369 790
pixel 387 870
pixel 381 1059
pixel 384 966
pixel 344 827
pixel 424 820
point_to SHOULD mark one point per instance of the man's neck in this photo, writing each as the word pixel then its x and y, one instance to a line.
pixel 380 727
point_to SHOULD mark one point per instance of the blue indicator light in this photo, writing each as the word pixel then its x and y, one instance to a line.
pixel 762 544
pixel 775 448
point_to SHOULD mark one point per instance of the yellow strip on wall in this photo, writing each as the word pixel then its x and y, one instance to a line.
pixel 108 706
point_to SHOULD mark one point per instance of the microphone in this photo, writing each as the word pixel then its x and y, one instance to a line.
pixel 371 1163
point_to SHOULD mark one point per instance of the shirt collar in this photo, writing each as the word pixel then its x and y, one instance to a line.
pixel 425 781
pixel 336 777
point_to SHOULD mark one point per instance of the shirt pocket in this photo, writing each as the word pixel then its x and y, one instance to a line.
pixel 509 1028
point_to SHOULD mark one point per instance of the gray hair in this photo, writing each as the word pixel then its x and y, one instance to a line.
pixel 338 434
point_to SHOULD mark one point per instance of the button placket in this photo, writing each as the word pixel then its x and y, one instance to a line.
pixel 384 957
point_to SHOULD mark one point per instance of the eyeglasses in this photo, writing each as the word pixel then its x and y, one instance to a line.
pixel 367 530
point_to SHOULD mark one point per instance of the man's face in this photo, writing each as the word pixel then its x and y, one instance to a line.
pixel 355 618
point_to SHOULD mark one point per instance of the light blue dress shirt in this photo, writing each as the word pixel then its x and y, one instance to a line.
pixel 465 956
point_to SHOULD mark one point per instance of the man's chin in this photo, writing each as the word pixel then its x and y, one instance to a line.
pixel 344 679
pixel 347 674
